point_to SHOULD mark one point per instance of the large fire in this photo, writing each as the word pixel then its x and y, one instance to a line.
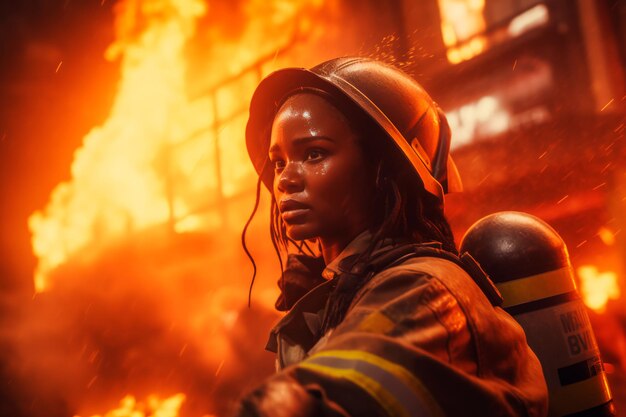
pixel 118 185
pixel 142 286
pixel 162 156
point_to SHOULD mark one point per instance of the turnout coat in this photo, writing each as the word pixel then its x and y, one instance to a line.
pixel 420 338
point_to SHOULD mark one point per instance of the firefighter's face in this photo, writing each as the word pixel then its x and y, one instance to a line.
pixel 320 171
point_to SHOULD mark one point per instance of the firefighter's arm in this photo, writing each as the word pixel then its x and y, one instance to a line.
pixel 376 362
pixel 363 368
pixel 411 346
pixel 403 348
pixel 284 396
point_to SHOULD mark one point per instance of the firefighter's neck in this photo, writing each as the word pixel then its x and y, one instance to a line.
pixel 332 247
pixel 331 250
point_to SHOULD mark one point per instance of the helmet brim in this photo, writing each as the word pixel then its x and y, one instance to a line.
pixel 263 107
pixel 270 94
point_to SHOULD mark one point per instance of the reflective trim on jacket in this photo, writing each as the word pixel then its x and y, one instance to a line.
pixel 420 339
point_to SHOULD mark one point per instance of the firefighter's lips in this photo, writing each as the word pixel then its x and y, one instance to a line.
pixel 293 211
pixel 294 216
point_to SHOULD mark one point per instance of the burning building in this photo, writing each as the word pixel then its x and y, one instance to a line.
pixel 140 284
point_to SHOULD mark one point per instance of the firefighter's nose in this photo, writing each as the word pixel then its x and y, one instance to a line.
pixel 290 179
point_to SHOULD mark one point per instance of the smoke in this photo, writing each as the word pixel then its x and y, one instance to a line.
pixel 156 313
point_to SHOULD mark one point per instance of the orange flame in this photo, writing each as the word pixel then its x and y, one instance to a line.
pixel 115 187
pixel 597 288
pixel 462 22
pixel 171 156
pixel 157 158
pixel 153 407
pixel 607 236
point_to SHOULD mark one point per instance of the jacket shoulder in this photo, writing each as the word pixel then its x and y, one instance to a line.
pixel 409 302
pixel 415 274
pixel 443 292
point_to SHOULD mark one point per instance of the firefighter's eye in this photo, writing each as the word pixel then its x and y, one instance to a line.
pixel 315 155
pixel 278 164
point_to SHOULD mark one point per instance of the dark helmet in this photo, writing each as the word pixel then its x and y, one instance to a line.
pixel 391 98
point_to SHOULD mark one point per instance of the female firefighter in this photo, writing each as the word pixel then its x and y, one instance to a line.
pixel 389 320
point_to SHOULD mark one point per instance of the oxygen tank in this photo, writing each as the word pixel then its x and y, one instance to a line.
pixel 529 264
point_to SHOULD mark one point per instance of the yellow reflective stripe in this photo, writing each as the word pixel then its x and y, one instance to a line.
pixel 373 388
pixel 376 322
pixel 394 369
pixel 536 287
pixel 579 396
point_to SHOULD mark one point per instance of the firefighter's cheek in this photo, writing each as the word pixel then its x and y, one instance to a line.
pixel 339 196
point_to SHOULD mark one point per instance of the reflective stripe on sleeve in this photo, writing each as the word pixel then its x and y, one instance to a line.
pixel 395 388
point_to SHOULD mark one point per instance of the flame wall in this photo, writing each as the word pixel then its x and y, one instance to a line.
pixel 141 282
